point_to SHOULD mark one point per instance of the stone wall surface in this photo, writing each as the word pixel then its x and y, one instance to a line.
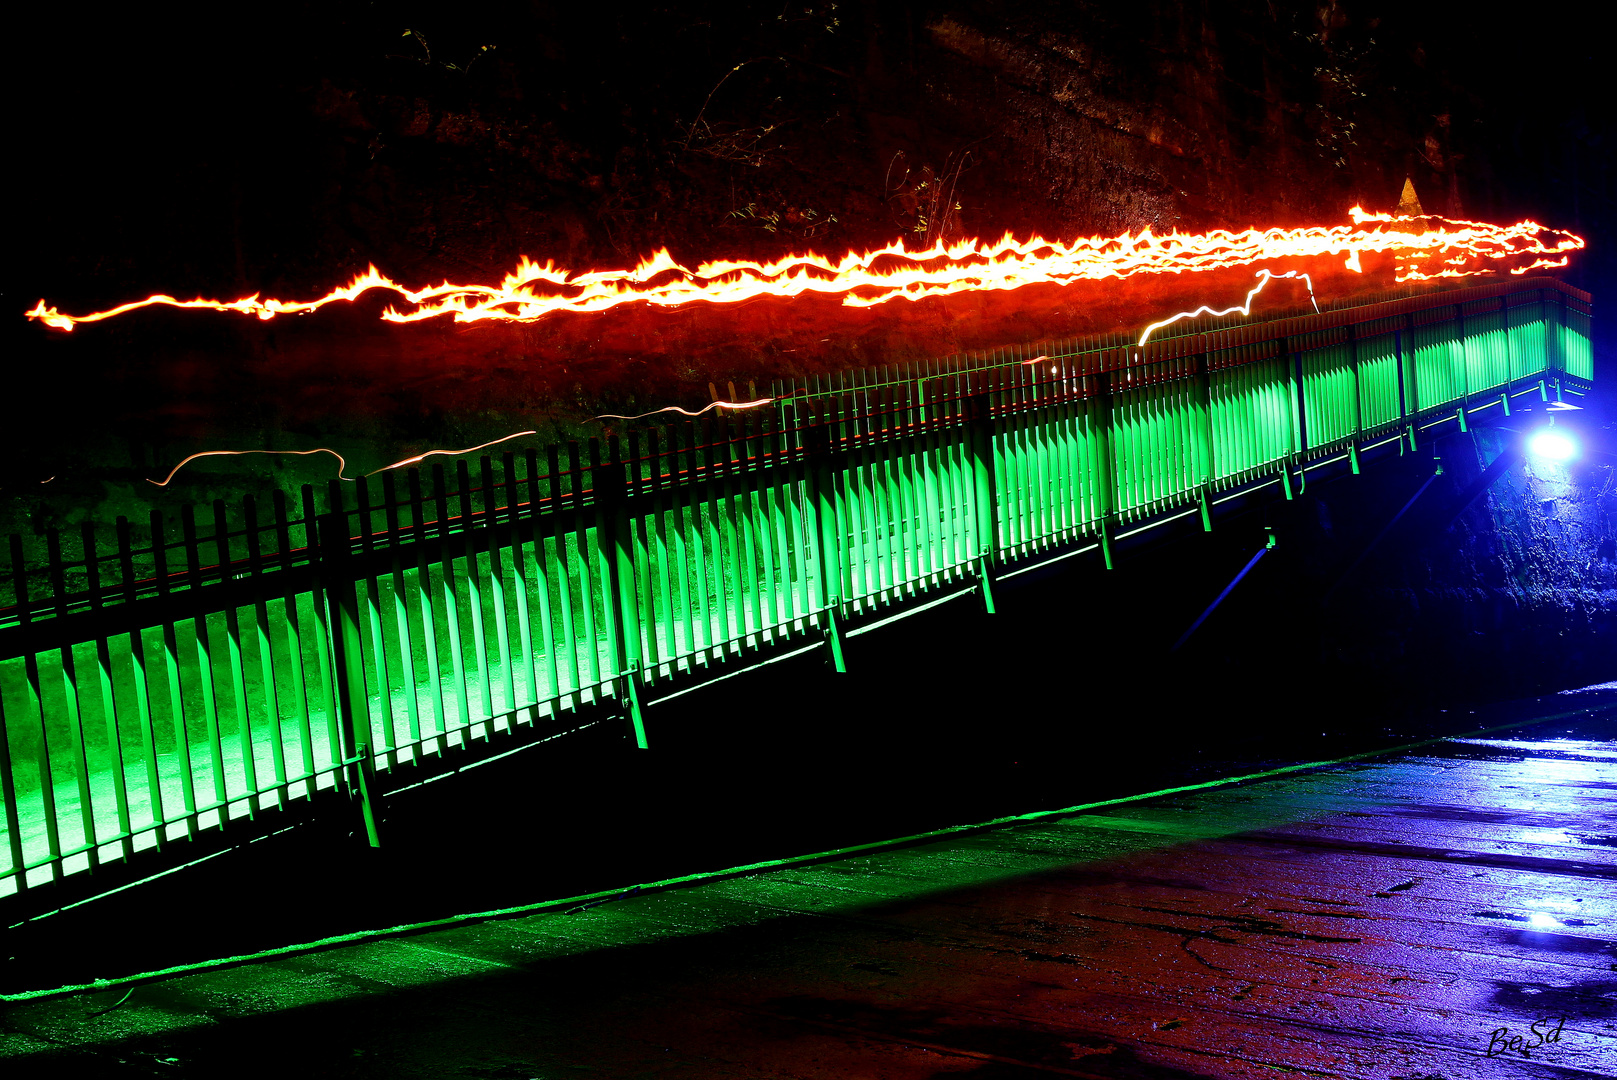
pixel 226 155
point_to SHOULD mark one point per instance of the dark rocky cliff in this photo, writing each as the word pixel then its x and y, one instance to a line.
pixel 280 152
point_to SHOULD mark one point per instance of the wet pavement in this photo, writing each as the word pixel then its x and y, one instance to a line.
pixel 1446 912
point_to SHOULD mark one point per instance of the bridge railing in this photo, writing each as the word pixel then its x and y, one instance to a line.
pixel 177 681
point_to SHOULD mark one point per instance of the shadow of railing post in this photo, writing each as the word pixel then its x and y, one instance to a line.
pixel 336 588
pixel 615 532
pixel 823 455
pixel 980 441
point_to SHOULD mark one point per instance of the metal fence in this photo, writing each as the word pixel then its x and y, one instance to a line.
pixel 176 678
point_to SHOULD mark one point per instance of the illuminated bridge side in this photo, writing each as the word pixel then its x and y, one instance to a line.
pixel 163 689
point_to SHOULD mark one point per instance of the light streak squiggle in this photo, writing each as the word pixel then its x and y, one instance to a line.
pixel 675 408
pixel 895 272
pixel 341 464
pixel 451 453
pixel 1265 275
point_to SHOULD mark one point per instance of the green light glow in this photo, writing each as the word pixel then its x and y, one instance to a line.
pixel 593 899
pixel 233 667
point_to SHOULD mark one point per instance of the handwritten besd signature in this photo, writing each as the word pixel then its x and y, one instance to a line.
pixel 1540 1033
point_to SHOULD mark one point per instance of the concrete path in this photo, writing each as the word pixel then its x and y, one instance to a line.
pixel 1442 914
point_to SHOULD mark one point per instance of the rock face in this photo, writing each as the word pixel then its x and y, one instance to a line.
pixel 184 154
pixel 291 155
pixel 180 152
pixel 1499 579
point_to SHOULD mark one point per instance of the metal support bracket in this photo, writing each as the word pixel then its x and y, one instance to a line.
pixel 833 639
pixel 629 689
pixel 347 664
pixel 985 584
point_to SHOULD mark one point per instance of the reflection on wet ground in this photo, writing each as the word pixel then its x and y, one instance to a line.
pixel 1407 916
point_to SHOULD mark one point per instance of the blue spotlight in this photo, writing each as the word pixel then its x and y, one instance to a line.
pixel 1552 443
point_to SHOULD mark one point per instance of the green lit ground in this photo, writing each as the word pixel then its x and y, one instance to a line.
pixel 1349 921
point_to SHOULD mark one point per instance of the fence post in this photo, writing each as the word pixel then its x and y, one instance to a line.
pixel 1204 438
pixel 348 666
pixel 1106 467
pixel 1358 397
pixel 614 528
pixel 980 443
pixel 822 503
pixel 1299 450
pixel 1557 336
pixel 1465 361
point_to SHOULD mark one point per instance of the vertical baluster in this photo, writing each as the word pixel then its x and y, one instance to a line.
pixel 327 688
pixel 204 655
pixel 109 708
pixel 697 534
pixel 425 593
pixel 36 717
pixel 140 689
pixel 888 469
pixel 236 669
pixel 730 530
pixel 859 524
pixel 266 658
pixel 12 809
pixel 588 556
pixel 78 755
pixel 496 584
pixel 679 482
pixel 176 690
pixel 658 538
pixel 381 722
pixel 294 650
pixel 935 499
pixel 471 534
pixel 401 613
pixel 446 554
pixel 763 487
pixel 537 529
pixel 785 489
pixel 70 702
pixel 643 530
pixel 514 521
pixel 747 480
pixel 561 513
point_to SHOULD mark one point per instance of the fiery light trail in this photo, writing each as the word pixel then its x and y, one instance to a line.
pixel 1459 248
pixel 451 453
pixel 1265 275
pixel 341 464
pixel 675 408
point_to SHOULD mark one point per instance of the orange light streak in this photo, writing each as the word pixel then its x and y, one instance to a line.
pixel 341 464
pixel 894 272
pixel 1265 275
pixel 675 408
pixel 451 453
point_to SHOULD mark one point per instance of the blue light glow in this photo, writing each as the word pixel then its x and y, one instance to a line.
pixel 1553 444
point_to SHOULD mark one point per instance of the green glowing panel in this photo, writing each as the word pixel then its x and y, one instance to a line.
pixel 183 676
